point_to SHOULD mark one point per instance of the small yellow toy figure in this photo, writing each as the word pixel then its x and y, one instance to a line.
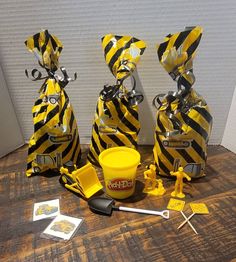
pixel 160 189
pixel 150 177
pixel 180 175
pixel 151 181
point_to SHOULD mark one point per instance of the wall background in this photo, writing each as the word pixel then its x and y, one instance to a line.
pixel 10 132
pixel 80 24
pixel 228 140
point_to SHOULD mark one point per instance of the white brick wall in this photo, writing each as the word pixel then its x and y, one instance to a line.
pixel 80 24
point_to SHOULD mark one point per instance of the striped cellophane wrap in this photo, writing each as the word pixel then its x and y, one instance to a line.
pixel 183 118
pixel 55 141
pixel 116 121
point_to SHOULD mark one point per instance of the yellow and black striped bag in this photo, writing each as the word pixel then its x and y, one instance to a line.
pixel 183 119
pixel 55 141
pixel 116 121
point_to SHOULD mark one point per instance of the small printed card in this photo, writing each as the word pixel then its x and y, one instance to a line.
pixel 62 227
pixel 176 204
pixel 199 208
pixel 46 209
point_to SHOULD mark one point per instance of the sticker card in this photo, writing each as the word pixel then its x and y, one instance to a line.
pixel 46 209
pixel 63 227
pixel 176 204
pixel 199 208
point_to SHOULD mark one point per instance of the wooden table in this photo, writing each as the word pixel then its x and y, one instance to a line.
pixel 123 236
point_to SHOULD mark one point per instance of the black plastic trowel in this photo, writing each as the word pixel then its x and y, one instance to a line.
pixel 105 206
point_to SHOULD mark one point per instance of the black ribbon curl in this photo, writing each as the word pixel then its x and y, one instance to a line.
pixel 62 80
pixel 113 92
pixel 184 88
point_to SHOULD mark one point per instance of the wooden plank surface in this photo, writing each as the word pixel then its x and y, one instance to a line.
pixel 123 236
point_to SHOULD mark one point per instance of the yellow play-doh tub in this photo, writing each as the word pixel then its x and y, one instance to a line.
pixel 119 166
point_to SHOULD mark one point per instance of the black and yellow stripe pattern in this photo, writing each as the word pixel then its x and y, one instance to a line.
pixel 47 49
pixel 183 122
pixel 177 52
pixel 116 121
pixel 56 139
pixel 122 53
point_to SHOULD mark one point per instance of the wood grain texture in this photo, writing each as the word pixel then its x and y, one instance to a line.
pixel 123 236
